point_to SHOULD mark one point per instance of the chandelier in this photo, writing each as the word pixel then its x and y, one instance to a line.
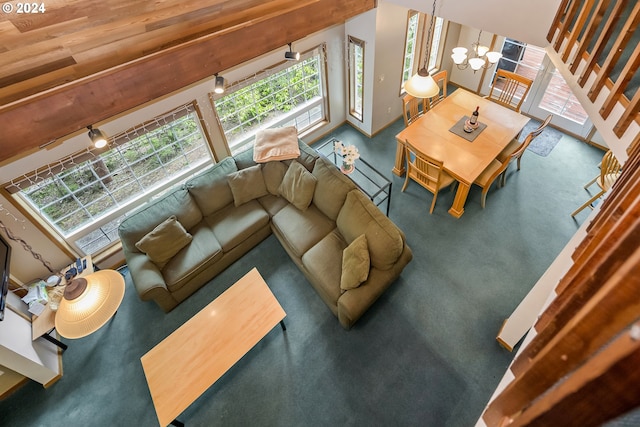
pixel 482 58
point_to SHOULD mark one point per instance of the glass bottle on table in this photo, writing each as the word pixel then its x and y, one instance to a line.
pixel 473 120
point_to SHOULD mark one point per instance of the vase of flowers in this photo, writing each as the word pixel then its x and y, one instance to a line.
pixel 349 155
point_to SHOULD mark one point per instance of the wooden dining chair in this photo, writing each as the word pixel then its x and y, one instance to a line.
pixel 489 175
pixel 610 170
pixel 515 149
pixel 441 78
pixel 509 89
pixel 426 171
pixel 413 108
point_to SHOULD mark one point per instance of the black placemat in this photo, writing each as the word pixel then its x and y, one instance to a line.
pixel 458 129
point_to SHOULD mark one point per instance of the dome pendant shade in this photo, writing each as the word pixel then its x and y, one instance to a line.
pixel 422 85
pixel 88 303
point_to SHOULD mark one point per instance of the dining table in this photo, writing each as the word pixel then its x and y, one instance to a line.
pixel 463 159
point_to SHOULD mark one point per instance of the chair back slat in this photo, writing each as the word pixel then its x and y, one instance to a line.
pixel 509 89
pixel 413 108
pixel 441 78
pixel 609 170
pixel 423 168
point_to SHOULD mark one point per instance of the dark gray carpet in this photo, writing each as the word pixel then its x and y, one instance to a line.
pixel 543 143
pixel 425 354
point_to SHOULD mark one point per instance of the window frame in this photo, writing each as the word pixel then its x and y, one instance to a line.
pixel 292 118
pixel 70 241
pixel 353 81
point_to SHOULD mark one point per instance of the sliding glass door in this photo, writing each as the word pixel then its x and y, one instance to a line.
pixel 552 95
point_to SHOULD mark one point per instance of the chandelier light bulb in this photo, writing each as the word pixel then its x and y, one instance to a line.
pixel 482 50
pixel 458 58
pixel 476 63
pixel 460 51
pixel 493 57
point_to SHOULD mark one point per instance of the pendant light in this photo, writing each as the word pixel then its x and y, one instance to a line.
pixel 88 303
pixel 421 84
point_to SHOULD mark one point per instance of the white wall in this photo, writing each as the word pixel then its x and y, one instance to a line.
pixel 391 24
pixel 25 268
pixel 524 20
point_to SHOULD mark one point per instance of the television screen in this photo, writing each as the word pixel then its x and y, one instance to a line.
pixel 5 256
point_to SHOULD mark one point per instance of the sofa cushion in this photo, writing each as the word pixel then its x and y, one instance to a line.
pixel 233 225
pixel 331 189
pixel 144 219
pixel 308 156
pixel 244 159
pixel 273 204
pixel 301 229
pixel 273 173
pixel 164 241
pixel 355 263
pixel 247 184
pixel 210 189
pixel 359 216
pixel 276 144
pixel 298 186
pixel 324 261
pixel 203 250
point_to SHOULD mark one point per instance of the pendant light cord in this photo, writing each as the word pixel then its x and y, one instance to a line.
pixel 25 246
pixel 433 18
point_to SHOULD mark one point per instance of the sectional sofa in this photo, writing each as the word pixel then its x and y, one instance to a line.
pixel 345 246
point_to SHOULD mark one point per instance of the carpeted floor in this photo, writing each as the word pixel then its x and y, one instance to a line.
pixel 425 354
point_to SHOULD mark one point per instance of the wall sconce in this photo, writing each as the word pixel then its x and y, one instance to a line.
pixel 291 55
pixel 88 303
pixel 97 137
pixel 219 84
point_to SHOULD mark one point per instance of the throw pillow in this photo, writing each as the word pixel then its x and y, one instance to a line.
pixel 273 173
pixel 247 184
pixel 164 241
pixel 355 263
pixel 276 144
pixel 298 186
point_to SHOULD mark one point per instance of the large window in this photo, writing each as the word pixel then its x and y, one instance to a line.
pixel 356 77
pixel 415 44
pixel 411 44
pixel 286 95
pixel 84 197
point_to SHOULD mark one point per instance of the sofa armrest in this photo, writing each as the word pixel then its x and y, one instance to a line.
pixel 148 281
pixel 353 303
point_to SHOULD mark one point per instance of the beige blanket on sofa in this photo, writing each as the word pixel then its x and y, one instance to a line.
pixel 276 144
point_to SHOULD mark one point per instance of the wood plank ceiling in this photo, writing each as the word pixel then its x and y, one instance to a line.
pixel 83 61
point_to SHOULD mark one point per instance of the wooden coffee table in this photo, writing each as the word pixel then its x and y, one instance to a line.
pixel 186 363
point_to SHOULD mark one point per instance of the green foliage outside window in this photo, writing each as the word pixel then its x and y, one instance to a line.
pixel 247 109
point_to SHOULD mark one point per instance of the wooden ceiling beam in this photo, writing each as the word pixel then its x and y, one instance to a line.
pixel 32 122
